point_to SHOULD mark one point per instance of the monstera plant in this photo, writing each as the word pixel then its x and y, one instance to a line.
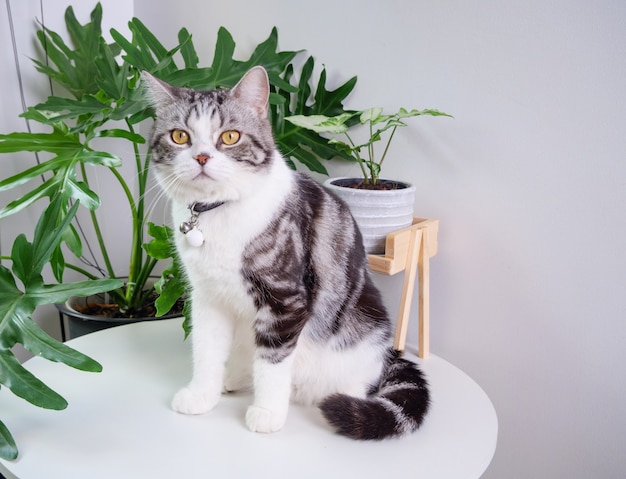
pixel 103 102
pixel 22 290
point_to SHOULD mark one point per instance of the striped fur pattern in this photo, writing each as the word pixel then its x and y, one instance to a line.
pixel 282 300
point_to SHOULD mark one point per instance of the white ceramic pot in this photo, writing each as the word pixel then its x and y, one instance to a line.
pixel 377 212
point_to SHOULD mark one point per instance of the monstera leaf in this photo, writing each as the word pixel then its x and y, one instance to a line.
pixel 145 52
pixel 303 144
pixel 22 290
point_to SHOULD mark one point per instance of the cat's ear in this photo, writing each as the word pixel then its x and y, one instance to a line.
pixel 159 93
pixel 254 90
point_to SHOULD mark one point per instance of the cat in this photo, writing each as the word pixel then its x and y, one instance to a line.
pixel 282 301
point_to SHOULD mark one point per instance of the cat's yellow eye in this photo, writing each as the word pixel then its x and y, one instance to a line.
pixel 180 137
pixel 230 137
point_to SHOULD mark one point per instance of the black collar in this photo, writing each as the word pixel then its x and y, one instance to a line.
pixel 202 207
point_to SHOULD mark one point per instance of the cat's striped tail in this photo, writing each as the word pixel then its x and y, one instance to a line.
pixel 398 406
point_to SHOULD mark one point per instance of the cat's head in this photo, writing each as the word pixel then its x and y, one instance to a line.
pixel 211 145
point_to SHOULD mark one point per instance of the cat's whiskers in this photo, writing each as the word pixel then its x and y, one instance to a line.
pixel 161 196
pixel 173 183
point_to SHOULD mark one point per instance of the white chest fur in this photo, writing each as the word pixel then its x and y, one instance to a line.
pixel 214 260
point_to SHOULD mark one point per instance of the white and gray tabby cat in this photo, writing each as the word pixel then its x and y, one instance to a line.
pixel 282 301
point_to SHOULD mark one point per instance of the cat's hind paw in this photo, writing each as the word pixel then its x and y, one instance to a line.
pixel 259 419
pixel 192 401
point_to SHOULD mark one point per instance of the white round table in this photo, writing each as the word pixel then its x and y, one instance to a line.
pixel 119 423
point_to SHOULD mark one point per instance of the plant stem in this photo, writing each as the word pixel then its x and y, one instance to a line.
pixel 136 224
pixel 116 294
pixel 382 158
pixel 136 276
pixel 370 154
pixel 359 160
pixel 98 231
pixel 80 270
pixel 140 295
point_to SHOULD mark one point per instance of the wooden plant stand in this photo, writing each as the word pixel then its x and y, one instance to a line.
pixel 410 250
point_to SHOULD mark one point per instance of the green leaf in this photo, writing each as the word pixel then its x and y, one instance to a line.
pixel 80 191
pixel 306 145
pixel 45 117
pixel 146 39
pixel 72 239
pixel 55 142
pixel 44 190
pixel 57 52
pixel 57 263
pixel 132 54
pixel 135 106
pixel 187 321
pixel 371 114
pixel 161 246
pixel 63 167
pixel 171 286
pixel 304 87
pixel 8 288
pixel 33 173
pixel 40 344
pixel 59 293
pixel 322 123
pixel 223 56
pixel 18 304
pixel 374 169
pixel 8 448
pixel 171 290
pixel 76 69
pixel 136 53
pixel 430 112
pixel 311 159
pixel 29 259
pixel 101 158
pixel 62 183
pixel 111 78
pixel 22 383
pixel 88 104
pixel 188 51
pixel 329 102
pixel 266 54
pixel 191 78
pixel 342 145
pixel 22 256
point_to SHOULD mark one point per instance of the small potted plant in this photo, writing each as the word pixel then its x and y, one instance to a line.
pixel 378 205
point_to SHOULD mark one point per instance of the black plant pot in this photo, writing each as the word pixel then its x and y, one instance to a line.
pixel 79 324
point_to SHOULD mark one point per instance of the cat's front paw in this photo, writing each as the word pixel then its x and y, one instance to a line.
pixel 259 419
pixel 193 401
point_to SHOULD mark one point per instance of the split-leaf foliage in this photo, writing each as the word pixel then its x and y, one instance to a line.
pixel 22 290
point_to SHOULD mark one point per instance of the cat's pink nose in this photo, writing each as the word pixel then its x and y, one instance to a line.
pixel 202 159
